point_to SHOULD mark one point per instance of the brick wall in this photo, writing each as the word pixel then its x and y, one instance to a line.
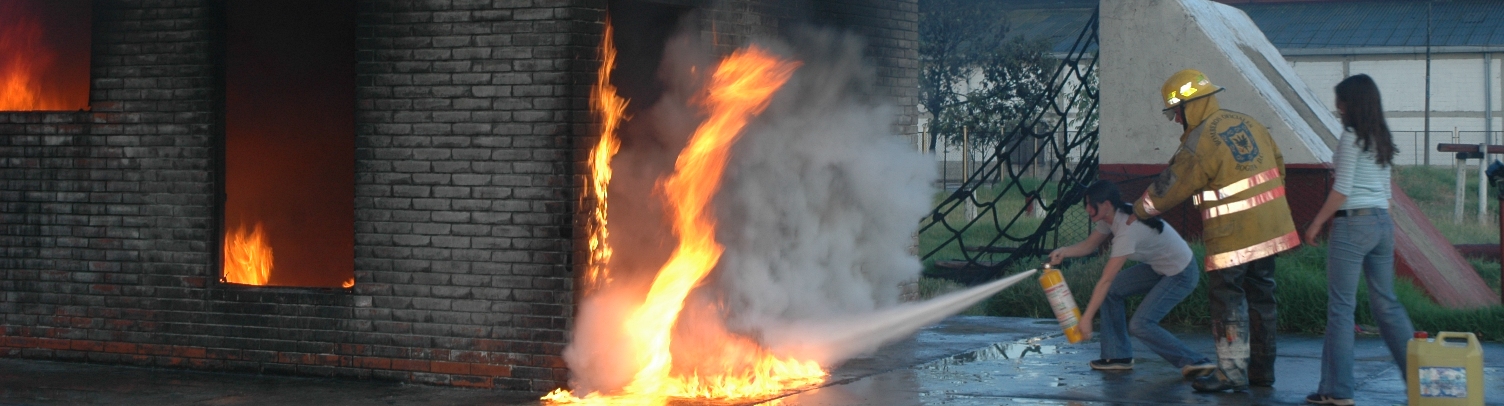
pixel 891 29
pixel 466 113
pixel 108 214
pixel 471 131
pixel 465 183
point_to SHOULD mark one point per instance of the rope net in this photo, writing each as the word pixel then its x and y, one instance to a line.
pixel 1026 193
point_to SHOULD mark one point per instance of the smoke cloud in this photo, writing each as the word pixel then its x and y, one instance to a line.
pixel 817 213
pixel 822 199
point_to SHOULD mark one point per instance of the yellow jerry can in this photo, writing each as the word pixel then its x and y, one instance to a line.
pixel 1442 372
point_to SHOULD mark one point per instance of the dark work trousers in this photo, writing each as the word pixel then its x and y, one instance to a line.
pixel 1244 321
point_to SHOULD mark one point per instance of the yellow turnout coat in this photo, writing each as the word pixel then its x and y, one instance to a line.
pixel 1230 167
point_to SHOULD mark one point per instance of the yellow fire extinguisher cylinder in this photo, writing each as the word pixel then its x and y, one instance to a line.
pixel 1061 302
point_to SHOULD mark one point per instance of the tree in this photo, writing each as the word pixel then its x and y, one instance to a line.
pixel 972 76
pixel 1013 85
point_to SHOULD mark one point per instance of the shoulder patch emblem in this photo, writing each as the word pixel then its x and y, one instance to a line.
pixel 1240 141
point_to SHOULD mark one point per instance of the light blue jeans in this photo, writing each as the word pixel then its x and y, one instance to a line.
pixel 1359 245
pixel 1161 293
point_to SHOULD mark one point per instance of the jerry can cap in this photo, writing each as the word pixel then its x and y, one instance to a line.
pixel 1422 335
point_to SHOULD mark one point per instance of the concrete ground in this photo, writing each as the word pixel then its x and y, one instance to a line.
pixel 962 361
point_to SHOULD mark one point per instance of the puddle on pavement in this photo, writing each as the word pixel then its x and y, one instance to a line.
pixel 998 351
pixel 1020 362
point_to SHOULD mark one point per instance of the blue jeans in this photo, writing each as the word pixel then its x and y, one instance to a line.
pixel 1359 244
pixel 1161 293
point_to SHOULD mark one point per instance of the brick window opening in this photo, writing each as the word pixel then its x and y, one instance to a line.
pixel 44 55
pixel 289 152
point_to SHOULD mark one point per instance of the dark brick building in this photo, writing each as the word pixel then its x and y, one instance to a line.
pixel 471 130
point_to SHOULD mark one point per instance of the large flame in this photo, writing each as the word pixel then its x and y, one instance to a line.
pixel 739 89
pixel 23 60
pixel 248 257
pixel 612 109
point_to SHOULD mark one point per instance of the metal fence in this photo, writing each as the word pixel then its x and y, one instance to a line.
pixel 1413 148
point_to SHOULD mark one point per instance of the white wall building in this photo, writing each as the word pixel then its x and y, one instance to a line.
pixel 1465 94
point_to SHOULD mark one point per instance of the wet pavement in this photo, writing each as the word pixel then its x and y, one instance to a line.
pixel 964 360
pixel 1047 370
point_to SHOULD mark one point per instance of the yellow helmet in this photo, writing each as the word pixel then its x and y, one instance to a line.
pixel 1184 86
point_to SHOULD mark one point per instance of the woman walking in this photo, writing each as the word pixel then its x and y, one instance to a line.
pixel 1166 273
pixel 1361 242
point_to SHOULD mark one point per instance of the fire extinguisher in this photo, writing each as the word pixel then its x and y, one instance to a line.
pixel 1061 301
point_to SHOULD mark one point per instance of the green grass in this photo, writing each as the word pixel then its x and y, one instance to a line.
pixel 1434 190
pixel 1301 275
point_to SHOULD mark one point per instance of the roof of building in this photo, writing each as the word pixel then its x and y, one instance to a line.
pixel 1310 27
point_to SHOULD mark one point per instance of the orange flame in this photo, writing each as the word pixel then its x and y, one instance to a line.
pixel 23 60
pixel 740 88
pixel 612 109
pixel 248 257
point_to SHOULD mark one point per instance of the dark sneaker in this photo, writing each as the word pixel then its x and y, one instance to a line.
pixel 1319 399
pixel 1197 370
pixel 1115 364
pixel 1216 382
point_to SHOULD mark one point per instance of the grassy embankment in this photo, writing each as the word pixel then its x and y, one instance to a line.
pixel 1301 277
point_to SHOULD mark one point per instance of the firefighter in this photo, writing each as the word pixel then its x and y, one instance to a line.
pixel 1229 166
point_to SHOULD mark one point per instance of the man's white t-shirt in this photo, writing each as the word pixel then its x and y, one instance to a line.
pixel 1164 251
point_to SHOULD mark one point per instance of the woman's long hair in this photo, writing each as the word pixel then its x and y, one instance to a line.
pixel 1364 116
pixel 1104 191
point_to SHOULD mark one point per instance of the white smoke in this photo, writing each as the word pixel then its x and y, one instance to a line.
pixel 822 199
pixel 835 339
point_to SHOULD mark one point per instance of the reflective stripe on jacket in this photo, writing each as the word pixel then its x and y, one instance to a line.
pixel 1230 167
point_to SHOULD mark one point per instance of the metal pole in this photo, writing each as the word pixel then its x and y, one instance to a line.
pixel 971 207
pixel 1461 190
pixel 1427 150
pixel 1483 183
pixel 1488 99
pixel 1488 137
pixel 965 156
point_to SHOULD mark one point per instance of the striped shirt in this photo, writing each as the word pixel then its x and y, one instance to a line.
pixel 1359 176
